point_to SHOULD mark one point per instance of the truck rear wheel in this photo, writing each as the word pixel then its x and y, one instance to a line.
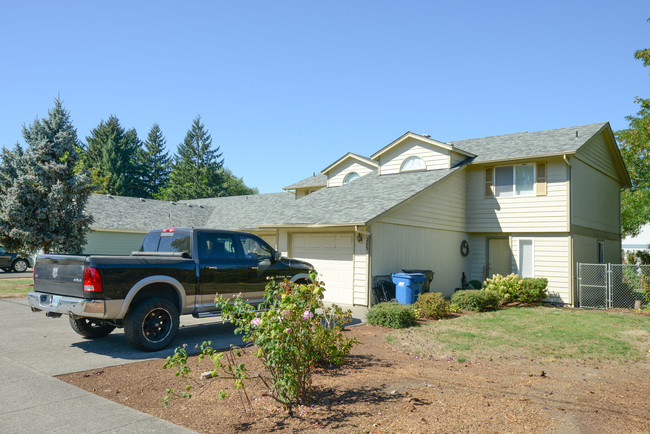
pixel 152 324
pixel 91 328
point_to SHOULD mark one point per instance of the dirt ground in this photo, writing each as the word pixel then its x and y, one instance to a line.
pixel 382 389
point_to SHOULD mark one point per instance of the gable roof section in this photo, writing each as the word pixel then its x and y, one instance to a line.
pixel 358 202
pixel 319 180
pixel 427 140
pixel 518 146
pixel 350 156
pixel 133 214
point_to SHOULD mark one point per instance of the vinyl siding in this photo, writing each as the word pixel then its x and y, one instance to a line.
pixel 113 243
pixel 596 153
pixel 596 198
pixel 434 157
pixel 547 213
pixel 551 260
pixel 396 247
pixel 441 207
pixel 457 158
pixel 360 291
pixel 335 177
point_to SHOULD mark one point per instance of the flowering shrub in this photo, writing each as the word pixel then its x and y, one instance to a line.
pixel 293 333
pixel 513 288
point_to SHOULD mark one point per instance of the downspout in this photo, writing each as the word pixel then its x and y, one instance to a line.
pixel 368 264
pixel 572 276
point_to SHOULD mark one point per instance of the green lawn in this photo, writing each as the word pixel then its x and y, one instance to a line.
pixel 15 287
pixel 545 333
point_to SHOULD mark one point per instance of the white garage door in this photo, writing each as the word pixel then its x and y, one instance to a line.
pixel 331 255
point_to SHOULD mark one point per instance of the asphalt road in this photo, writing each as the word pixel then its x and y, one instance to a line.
pixel 10 275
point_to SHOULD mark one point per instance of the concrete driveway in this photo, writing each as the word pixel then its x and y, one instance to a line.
pixel 34 348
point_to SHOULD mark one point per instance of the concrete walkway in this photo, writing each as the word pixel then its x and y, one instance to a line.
pixel 33 349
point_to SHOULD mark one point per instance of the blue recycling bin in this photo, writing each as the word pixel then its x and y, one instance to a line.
pixel 408 286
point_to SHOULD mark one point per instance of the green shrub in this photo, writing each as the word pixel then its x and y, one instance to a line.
pixel 474 284
pixel 513 288
pixel 533 290
pixel 432 305
pixel 393 315
pixel 477 300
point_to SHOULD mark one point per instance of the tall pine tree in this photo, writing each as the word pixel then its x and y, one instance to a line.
pixel 42 199
pixel 113 157
pixel 155 162
pixel 196 171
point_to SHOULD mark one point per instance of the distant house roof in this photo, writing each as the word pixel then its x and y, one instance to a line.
pixel 319 180
pixel 244 212
pixel 133 214
pixel 529 145
pixel 351 156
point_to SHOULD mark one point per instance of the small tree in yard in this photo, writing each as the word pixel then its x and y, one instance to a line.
pixel 42 199
pixel 292 334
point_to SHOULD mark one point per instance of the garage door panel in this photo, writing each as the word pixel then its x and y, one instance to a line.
pixel 331 255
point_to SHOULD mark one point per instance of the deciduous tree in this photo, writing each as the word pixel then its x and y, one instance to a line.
pixel 634 143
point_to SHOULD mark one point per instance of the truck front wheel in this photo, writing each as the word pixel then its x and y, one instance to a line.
pixel 152 324
pixel 91 328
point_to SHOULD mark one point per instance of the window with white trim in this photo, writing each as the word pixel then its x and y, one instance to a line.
pixel 516 180
pixel 350 177
pixel 413 163
pixel 526 262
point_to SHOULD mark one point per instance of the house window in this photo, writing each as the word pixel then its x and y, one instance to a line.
pixel 514 180
pixel 526 258
pixel 350 177
pixel 601 252
pixel 413 163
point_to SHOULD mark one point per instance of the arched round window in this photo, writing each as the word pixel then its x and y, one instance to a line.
pixel 350 177
pixel 413 163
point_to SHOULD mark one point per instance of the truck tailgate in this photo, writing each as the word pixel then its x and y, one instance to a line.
pixel 60 275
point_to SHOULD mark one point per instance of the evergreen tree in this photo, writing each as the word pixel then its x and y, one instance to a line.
pixel 42 199
pixel 113 157
pixel 196 171
pixel 155 162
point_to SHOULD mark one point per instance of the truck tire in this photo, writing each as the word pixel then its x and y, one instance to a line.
pixel 91 328
pixel 152 324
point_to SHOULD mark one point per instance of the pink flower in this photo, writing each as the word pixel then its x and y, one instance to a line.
pixel 286 313
pixel 307 315
pixel 256 322
pixel 287 330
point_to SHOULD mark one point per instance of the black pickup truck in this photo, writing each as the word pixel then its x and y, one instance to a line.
pixel 177 271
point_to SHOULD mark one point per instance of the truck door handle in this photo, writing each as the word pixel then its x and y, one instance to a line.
pixel 209 267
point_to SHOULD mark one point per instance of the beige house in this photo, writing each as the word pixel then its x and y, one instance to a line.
pixel 531 203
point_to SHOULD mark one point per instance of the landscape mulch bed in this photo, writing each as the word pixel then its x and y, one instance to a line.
pixel 382 389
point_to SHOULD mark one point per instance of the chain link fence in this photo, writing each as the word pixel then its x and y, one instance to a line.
pixel 609 286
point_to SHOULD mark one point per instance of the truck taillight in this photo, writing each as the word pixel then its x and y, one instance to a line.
pixel 92 280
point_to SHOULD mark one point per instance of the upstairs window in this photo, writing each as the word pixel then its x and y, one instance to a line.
pixel 514 180
pixel 413 163
pixel 350 177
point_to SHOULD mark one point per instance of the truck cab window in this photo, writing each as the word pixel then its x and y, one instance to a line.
pixel 216 246
pixel 253 249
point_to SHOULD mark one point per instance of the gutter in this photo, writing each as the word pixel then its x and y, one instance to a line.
pixel 316 225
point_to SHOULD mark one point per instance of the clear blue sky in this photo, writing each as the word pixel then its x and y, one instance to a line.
pixel 287 87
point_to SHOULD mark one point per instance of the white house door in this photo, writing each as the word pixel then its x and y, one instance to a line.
pixel 331 254
pixel 499 257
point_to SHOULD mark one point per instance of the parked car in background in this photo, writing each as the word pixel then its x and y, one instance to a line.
pixel 14 261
